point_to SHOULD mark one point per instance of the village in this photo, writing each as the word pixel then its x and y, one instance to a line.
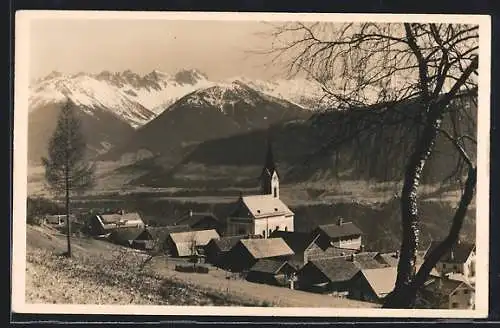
pixel 257 242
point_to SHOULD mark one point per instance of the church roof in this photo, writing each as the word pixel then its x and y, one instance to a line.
pixel 261 206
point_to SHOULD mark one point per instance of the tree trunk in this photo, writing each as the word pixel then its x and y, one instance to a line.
pixel 453 235
pixel 404 297
pixel 403 294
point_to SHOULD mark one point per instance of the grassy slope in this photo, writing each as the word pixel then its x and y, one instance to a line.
pixel 102 273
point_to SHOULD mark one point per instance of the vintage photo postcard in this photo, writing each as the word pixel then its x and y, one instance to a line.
pixel 256 164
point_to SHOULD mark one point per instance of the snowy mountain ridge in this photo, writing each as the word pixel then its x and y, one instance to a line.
pixel 137 99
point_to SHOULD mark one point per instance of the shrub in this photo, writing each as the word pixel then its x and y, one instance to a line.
pixel 37 207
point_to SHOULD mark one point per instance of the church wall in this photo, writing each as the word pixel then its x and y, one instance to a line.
pixel 284 223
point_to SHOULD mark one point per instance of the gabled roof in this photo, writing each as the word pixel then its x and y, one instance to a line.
pixel 344 268
pixel 342 229
pixel 330 252
pixel 125 234
pixel 390 259
pixel 225 244
pixel 261 206
pixel 444 286
pixel 381 280
pixel 125 218
pixel 193 218
pixel 161 233
pixel 297 241
pixel 264 248
pixel 272 266
pixel 200 237
pixel 459 253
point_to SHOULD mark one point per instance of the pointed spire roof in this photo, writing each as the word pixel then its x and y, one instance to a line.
pixel 269 165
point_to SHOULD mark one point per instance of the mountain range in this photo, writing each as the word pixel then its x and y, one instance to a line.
pixel 113 105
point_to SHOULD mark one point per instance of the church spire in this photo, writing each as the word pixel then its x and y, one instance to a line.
pixel 269 176
pixel 269 164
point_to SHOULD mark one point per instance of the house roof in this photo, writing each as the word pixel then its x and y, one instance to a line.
pixel 343 268
pixel 201 237
pixel 381 280
pixel 162 233
pixel 265 205
pixel 459 252
pixel 343 229
pixel 264 248
pixel 390 259
pixel 226 243
pixel 272 266
pixel 297 241
pixel 330 252
pixel 192 219
pixel 126 218
pixel 125 234
pixel 444 286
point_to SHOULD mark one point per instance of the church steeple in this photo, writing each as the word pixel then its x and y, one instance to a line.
pixel 269 176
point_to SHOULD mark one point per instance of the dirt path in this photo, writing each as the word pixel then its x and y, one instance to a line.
pixel 217 281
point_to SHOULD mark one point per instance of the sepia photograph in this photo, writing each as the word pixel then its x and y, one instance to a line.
pixel 251 164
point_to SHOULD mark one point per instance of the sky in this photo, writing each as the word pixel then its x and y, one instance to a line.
pixel 220 49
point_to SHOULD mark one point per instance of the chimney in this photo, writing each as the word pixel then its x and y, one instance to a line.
pixel 340 221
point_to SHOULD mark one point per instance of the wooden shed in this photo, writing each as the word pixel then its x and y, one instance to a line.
pixel 271 271
pixel 248 251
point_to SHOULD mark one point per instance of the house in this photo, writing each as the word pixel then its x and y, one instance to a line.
pixel 460 259
pixel 261 214
pixel 373 285
pixel 445 293
pixel 305 246
pixel 335 275
pixel 58 219
pixel 201 221
pixel 156 237
pixel 340 234
pixel 271 271
pixel 315 252
pixel 216 249
pixel 247 252
pixel 101 224
pixel 125 236
pixel 188 243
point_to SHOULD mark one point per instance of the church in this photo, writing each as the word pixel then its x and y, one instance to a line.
pixel 260 215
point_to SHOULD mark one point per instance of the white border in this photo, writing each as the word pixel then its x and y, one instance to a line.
pixel 22 48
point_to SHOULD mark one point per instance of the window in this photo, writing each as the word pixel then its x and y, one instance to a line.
pixel 270 231
pixel 275 192
pixel 263 233
pixel 466 292
pixel 286 228
pixel 454 305
pixel 276 228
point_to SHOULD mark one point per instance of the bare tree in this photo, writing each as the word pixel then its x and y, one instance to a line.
pixel 412 77
pixel 66 169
